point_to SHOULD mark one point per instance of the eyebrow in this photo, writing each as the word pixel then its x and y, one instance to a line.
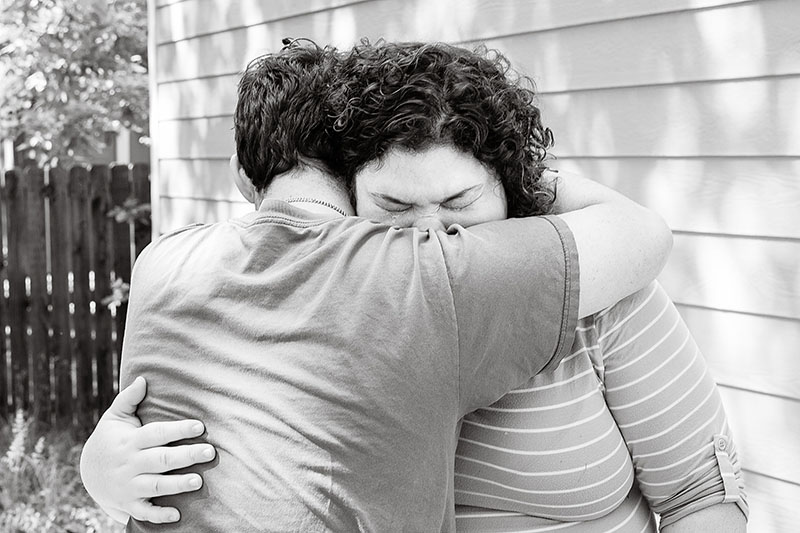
pixel 392 199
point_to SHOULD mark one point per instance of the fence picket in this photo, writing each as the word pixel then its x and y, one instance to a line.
pixel 60 268
pixel 17 300
pixel 82 343
pixel 59 360
pixel 4 369
pixel 33 261
pixel 102 264
pixel 120 192
pixel 141 191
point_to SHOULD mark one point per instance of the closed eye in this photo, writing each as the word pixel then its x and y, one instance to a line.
pixel 393 207
pixel 459 205
pixel 464 199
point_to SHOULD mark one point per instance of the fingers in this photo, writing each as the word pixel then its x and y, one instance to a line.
pixel 147 512
pixel 165 458
pixel 129 398
pixel 152 485
pixel 161 433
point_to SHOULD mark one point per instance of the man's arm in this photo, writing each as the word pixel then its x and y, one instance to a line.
pixel 123 462
pixel 622 246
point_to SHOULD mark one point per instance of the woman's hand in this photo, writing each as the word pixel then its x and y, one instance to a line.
pixel 123 462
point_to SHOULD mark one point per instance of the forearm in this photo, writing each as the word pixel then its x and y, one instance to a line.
pixel 573 192
pixel 622 246
pixel 669 413
pixel 721 517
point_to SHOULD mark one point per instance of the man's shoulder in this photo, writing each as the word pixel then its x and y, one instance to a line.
pixel 171 239
pixel 183 229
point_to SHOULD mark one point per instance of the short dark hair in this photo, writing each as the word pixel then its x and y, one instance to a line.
pixel 415 95
pixel 280 117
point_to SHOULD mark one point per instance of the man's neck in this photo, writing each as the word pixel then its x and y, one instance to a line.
pixel 308 183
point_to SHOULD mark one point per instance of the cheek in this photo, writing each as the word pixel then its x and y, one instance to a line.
pixel 373 212
pixel 491 207
pixel 497 207
pixel 366 208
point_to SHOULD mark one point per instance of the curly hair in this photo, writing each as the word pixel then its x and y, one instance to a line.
pixel 280 116
pixel 415 95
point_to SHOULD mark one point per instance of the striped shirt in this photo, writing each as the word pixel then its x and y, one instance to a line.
pixel 628 425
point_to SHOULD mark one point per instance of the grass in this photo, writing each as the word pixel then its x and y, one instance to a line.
pixel 40 485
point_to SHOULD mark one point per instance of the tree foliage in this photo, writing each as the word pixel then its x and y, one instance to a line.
pixel 70 71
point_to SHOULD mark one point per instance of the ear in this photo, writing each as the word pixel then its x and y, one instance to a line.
pixel 242 182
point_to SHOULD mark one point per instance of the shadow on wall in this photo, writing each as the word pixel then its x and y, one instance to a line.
pixel 675 94
pixel 678 94
pixel 694 113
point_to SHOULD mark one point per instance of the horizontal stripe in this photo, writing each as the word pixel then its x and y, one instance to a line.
pixel 537 430
pixel 672 405
pixel 673 426
pixel 561 405
pixel 585 516
pixel 663 451
pixel 653 346
pixel 525 474
pixel 504 521
pixel 632 314
pixel 555 451
pixel 554 385
pixel 709 465
pixel 661 390
pixel 631 515
pixel 689 457
pixel 659 416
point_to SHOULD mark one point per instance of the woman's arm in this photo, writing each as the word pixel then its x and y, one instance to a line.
pixel 725 517
pixel 670 414
pixel 622 246
pixel 123 462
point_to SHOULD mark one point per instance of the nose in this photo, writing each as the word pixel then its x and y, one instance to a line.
pixel 429 223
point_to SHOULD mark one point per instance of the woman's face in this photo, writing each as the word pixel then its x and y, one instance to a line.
pixel 439 184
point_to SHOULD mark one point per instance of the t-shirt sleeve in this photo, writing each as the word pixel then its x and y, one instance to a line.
pixel 667 407
pixel 515 294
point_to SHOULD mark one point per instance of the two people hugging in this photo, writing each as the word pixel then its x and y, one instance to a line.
pixel 482 348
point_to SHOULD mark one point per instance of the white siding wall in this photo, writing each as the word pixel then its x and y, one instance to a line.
pixel 691 107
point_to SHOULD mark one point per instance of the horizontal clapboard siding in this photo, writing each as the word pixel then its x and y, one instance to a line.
pixel 756 196
pixel 470 19
pixel 760 423
pixel 177 212
pixel 206 178
pixel 694 119
pixel 687 106
pixel 773 504
pixel 220 53
pixel 196 138
pixel 743 274
pixel 725 44
pixel 746 351
pixel 186 20
pixel 162 3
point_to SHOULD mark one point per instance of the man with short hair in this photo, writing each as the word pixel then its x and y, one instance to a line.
pixel 331 357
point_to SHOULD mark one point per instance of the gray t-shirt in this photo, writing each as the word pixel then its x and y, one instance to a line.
pixel 332 359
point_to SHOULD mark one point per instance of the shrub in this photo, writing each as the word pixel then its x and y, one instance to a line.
pixel 40 486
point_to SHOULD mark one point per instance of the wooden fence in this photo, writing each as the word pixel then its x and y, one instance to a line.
pixel 69 240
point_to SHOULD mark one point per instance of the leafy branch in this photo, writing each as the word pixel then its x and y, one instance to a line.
pixel 70 71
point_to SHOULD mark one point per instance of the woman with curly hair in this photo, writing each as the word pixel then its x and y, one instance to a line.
pixel 630 426
pixel 409 96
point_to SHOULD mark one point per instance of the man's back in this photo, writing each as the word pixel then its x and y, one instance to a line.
pixel 327 361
